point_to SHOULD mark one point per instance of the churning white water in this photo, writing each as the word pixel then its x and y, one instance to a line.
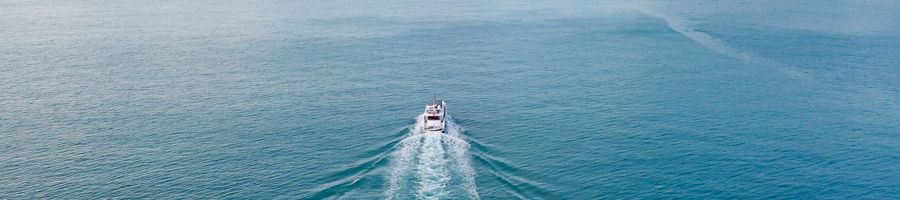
pixel 426 164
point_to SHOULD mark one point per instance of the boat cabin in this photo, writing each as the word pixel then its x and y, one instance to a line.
pixel 435 112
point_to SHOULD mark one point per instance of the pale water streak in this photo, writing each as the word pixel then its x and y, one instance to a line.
pixel 684 27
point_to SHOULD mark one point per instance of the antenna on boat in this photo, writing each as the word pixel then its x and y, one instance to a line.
pixel 434 95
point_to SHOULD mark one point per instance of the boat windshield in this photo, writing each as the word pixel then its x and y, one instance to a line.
pixel 433 117
pixel 433 110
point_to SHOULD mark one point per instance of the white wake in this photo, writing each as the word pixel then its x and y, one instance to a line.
pixel 429 163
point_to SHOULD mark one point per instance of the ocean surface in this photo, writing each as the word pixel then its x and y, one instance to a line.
pixel 278 99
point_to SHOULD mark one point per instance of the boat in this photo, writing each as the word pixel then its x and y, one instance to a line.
pixel 435 115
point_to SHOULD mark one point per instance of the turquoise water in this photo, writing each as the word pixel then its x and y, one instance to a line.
pixel 550 100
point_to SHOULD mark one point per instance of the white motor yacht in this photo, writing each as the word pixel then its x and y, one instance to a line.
pixel 435 115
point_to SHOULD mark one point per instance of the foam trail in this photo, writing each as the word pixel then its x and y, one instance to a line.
pixel 432 168
pixel 401 161
pixel 403 158
pixel 439 160
pixel 459 150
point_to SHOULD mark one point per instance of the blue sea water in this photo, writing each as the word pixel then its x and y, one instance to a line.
pixel 267 99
